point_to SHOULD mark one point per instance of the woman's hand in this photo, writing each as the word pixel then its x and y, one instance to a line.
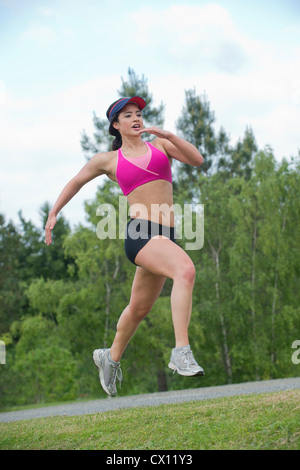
pixel 156 131
pixel 48 227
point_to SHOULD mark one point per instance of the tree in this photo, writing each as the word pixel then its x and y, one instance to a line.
pixel 264 268
pixel 238 161
pixel 196 126
pixel 44 366
pixel 12 296
pixel 53 261
pixel 35 257
pixel 136 86
pixel 213 263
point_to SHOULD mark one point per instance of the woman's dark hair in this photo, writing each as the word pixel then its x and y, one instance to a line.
pixel 117 142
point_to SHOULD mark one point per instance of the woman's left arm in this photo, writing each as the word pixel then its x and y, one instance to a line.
pixel 176 147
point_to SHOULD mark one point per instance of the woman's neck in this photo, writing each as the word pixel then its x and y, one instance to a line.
pixel 132 143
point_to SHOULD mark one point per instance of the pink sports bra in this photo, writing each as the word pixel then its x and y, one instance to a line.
pixel 135 171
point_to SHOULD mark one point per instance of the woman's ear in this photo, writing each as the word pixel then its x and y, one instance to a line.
pixel 116 125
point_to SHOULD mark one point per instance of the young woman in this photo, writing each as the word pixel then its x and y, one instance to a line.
pixel 143 172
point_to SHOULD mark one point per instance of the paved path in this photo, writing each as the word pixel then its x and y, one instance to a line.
pixel 177 396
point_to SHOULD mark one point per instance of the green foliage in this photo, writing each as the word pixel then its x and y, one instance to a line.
pixel 195 125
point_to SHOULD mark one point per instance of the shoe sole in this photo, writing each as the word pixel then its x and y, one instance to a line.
pixel 101 377
pixel 185 373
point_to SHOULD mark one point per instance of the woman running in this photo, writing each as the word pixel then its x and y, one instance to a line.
pixel 143 172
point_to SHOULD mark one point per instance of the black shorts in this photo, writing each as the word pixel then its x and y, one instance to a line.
pixel 139 231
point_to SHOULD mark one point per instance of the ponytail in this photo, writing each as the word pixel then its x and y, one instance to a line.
pixel 117 142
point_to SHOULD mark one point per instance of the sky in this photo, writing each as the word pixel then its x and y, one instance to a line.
pixel 62 60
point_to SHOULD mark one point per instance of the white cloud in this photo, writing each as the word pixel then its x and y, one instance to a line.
pixel 193 35
pixel 55 121
pixel 48 12
pixel 262 99
pixel 41 34
pixel 45 36
pixel 247 81
pixel 280 125
pixel 295 91
pixel 40 146
pixel 47 28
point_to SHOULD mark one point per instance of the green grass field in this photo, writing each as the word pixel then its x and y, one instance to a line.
pixel 266 421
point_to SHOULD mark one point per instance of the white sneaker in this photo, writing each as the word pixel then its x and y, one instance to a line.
pixel 183 362
pixel 109 371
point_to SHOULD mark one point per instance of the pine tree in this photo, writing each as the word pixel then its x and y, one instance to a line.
pixel 136 86
pixel 196 126
pixel 239 160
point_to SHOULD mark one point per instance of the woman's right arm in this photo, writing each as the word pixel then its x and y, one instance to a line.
pixel 96 166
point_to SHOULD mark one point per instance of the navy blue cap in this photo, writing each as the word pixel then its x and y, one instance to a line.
pixel 116 106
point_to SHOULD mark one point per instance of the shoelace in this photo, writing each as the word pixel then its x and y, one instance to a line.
pixel 116 374
pixel 187 357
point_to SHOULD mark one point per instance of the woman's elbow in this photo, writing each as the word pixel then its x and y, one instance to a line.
pixel 199 160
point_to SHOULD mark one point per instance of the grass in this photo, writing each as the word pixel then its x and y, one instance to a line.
pixel 266 421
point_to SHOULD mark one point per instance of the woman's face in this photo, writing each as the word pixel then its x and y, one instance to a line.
pixel 130 120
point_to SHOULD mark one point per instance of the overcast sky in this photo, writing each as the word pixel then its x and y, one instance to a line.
pixel 60 60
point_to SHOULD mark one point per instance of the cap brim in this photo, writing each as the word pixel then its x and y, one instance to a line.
pixel 137 100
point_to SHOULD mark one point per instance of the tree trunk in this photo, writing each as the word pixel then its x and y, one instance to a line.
pixel 225 348
pixel 273 350
pixel 162 381
pixel 108 285
pixel 253 312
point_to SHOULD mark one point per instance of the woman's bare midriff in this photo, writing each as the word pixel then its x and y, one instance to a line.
pixel 153 201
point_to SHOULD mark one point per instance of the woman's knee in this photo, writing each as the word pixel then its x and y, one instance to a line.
pixel 139 311
pixel 186 273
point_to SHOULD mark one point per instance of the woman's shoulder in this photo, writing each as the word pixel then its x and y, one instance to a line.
pixel 158 144
pixel 105 157
pixel 102 162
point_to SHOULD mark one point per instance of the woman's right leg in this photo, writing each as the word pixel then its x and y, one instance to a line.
pixel 163 257
pixel 146 288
